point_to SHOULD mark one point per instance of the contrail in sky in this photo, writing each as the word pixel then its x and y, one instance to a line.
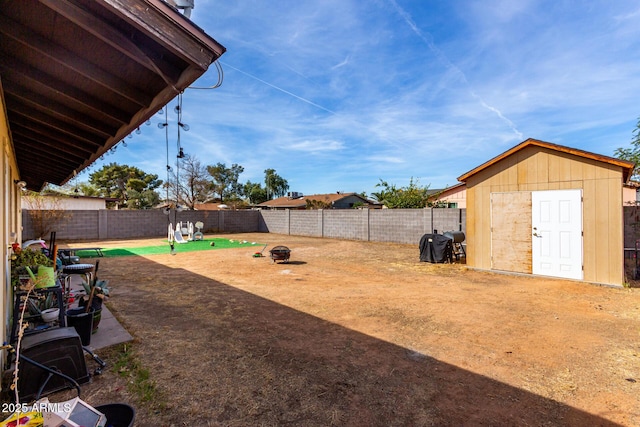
pixel 428 39
pixel 281 90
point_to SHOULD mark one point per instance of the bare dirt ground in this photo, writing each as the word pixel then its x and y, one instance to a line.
pixel 363 334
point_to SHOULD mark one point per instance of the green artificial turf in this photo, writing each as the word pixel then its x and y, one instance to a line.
pixel 164 248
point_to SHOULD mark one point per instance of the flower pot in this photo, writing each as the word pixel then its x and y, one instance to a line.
pixel 96 306
pixel 50 314
pixel 97 315
pixel 82 322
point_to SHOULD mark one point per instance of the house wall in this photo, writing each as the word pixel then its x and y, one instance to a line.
pixel 537 168
pixel 63 203
pixel 455 195
pixel 10 223
pixel 347 202
pixel 629 196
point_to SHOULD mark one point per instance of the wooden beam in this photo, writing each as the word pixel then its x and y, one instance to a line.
pixel 53 88
pixel 55 54
pixel 171 29
pixel 22 117
pixel 115 39
pixel 52 112
pixel 48 139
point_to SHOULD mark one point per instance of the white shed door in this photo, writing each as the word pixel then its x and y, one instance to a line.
pixel 556 243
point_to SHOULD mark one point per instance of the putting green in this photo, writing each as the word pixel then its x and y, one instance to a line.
pixel 164 248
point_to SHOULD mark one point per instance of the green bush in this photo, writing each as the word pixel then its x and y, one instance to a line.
pixel 27 258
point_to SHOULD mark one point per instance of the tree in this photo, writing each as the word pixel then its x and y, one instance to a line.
pixel 225 180
pixel 134 188
pixel 193 185
pixel 411 197
pixel 632 154
pixel 255 193
pixel 45 211
pixel 276 186
pixel 86 189
pixel 314 204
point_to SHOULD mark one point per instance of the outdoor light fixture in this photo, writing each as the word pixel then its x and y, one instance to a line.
pixel 20 184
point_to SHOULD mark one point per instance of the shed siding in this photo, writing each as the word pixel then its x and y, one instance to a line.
pixel 537 168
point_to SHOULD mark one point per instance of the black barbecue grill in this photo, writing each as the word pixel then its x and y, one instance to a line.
pixel 456 237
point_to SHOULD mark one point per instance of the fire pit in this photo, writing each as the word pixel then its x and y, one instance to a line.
pixel 280 253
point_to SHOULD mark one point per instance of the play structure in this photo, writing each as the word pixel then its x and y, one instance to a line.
pixel 184 232
pixel 198 234
pixel 181 233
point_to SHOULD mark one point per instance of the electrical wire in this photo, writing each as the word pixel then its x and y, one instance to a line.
pixel 179 111
pixel 166 137
pixel 220 78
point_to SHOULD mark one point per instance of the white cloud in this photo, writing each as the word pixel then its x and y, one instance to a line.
pixel 316 146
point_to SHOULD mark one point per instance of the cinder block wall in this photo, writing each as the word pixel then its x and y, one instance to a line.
pixel 631 226
pixel 399 225
pixel 305 223
pixel 274 222
pixel 245 221
pixel 345 224
pixel 385 225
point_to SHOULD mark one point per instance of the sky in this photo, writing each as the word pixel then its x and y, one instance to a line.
pixel 337 95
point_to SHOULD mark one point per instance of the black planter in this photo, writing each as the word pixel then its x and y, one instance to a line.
pixel 96 305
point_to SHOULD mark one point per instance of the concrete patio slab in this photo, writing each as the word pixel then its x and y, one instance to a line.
pixel 110 331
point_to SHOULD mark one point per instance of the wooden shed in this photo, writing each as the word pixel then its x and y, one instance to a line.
pixel 545 209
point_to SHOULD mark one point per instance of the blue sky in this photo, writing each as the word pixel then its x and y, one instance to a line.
pixel 338 94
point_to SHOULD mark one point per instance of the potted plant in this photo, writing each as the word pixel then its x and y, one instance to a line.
pixel 96 294
pixel 45 306
pixel 23 258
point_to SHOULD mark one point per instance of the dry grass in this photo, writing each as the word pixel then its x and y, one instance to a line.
pixel 362 334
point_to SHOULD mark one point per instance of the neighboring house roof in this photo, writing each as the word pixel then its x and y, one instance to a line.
pixel 301 202
pixel 443 192
pixel 627 167
pixel 78 76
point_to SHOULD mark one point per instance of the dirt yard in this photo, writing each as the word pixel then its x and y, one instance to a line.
pixel 363 334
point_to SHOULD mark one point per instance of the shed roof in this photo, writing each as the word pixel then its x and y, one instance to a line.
pixel 627 167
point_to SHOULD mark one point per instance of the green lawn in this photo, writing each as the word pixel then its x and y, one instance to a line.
pixel 164 248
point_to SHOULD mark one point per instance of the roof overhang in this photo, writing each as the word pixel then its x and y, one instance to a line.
pixel 627 167
pixel 78 76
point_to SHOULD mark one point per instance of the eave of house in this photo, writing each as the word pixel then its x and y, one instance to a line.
pixel 627 167
pixel 80 75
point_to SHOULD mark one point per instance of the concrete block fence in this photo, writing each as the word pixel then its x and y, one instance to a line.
pixel 631 227
pixel 384 225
